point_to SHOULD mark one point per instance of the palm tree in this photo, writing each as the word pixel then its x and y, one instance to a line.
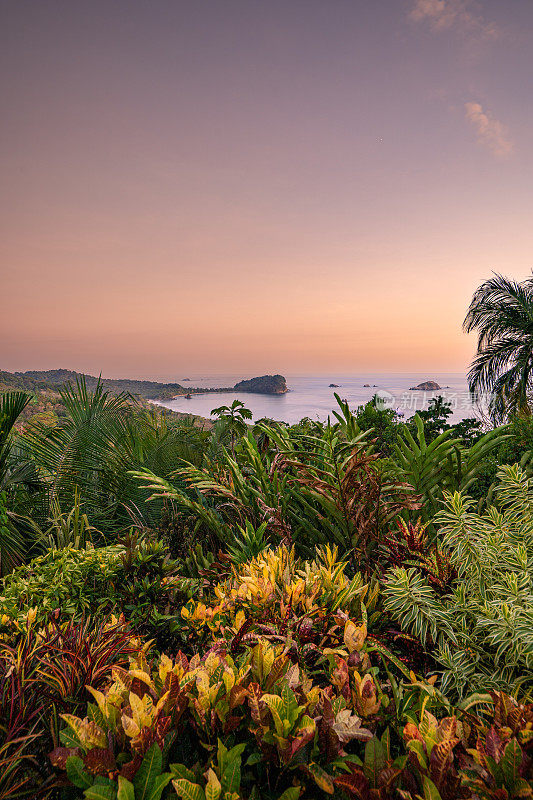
pixel 18 476
pixel 502 313
pixel 86 458
pixel 83 449
pixel 234 417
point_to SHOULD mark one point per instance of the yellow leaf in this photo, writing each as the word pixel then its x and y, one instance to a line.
pixel 100 699
pixel 30 616
pixel 89 734
pixel 321 778
pixel 213 787
pixel 130 727
pixel 229 680
pixel 161 703
pixel 211 663
pixel 165 666
pixel 354 635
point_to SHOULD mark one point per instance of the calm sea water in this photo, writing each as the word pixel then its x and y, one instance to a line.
pixel 311 396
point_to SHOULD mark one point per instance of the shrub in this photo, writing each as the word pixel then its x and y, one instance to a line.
pixel 483 626
pixel 309 490
pixel 44 673
pixel 442 464
pixel 278 596
pixel 130 578
pixel 255 720
pixel 410 546
pixel 256 726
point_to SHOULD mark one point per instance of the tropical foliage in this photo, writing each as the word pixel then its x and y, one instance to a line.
pixel 501 312
pixel 263 612
pixel 480 629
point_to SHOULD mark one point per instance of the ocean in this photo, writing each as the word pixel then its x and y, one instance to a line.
pixel 311 396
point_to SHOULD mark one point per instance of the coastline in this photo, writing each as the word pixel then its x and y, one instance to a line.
pixel 197 420
pixel 313 397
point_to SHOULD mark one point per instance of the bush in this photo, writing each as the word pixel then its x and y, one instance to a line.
pixel 45 672
pixel 482 629
pixel 254 724
pixel 310 491
pixel 131 578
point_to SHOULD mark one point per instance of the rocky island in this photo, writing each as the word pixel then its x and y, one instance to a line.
pixel 426 386
pixel 265 384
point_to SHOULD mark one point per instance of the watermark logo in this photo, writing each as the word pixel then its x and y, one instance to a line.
pixel 384 400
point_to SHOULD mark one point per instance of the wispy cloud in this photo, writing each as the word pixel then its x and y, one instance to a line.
pixel 491 133
pixel 463 16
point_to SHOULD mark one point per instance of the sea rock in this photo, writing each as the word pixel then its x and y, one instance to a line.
pixel 426 386
pixel 265 384
pixel 334 386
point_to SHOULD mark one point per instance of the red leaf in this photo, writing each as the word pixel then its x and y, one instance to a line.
pixel 59 756
pixel 493 744
pixel 440 762
pixel 99 761
pixel 355 785
pixel 411 732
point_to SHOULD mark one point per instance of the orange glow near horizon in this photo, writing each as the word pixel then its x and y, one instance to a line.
pixel 310 188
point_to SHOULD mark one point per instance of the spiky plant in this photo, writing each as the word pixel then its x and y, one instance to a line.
pixel 96 443
pixel 18 533
pixel 481 630
pixel 442 464
pixel 249 542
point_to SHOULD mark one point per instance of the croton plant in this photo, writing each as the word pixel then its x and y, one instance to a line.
pixel 256 716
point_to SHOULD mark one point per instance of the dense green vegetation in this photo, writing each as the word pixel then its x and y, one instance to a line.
pixel 264 611
pixel 44 388
pixel 55 379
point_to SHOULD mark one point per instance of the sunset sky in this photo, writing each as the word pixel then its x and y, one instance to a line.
pixel 254 186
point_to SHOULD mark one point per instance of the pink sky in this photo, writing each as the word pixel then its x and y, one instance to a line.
pixel 248 187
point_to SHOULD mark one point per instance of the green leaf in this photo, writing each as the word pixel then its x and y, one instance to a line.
pixel 511 763
pixel 188 790
pixel 126 790
pixel 231 774
pixel 69 738
pixel 254 759
pixel 159 784
pixel 149 770
pixel 95 715
pixel 293 793
pixel 475 700
pixel 417 747
pixel 76 773
pixel 374 760
pixel 101 792
pixel 181 771
pixel 430 790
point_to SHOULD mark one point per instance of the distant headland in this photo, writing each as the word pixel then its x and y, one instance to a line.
pixel 33 380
